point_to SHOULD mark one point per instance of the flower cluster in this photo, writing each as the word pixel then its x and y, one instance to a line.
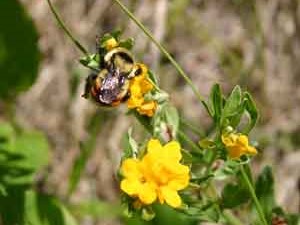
pixel 139 87
pixel 238 145
pixel 158 175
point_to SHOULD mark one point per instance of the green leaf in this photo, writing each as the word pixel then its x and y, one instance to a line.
pixel 264 188
pixel 41 209
pixel 293 219
pixel 12 206
pixel 22 157
pixel 19 54
pixel 171 118
pixel 143 120
pixel 3 191
pixel 216 102
pixel 206 143
pixel 128 43
pixel 252 110
pixel 233 103
pixel 208 212
pixel 130 146
pixel 229 168
pixel 34 148
pixel 96 209
pixel 166 215
pixel 199 180
pixel 153 77
pixel 234 195
pixel 91 61
pixel 86 149
pixel 7 136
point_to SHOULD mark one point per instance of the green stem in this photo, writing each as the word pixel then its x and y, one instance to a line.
pixel 192 127
pixel 230 218
pixel 254 197
pixel 63 26
pixel 164 51
pixel 187 140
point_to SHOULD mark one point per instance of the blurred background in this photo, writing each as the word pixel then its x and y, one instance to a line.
pixel 255 44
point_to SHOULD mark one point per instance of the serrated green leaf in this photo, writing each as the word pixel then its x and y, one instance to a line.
pixel 19 53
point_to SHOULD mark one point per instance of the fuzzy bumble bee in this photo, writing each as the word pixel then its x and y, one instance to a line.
pixel 110 86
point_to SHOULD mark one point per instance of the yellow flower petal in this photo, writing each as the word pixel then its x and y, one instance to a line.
pixel 146 86
pixel 242 140
pixel 171 196
pixel 179 183
pixel 154 146
pixel 130 168
pixel 131 186
pixel 172 150
pixel 176 168
pixel 147 194
pixel 147 108
pixel 251 150
pixel 111 43
pixel 134 102
pixel 238 145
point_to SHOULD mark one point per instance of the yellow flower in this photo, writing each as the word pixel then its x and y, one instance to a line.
pixel 158 175
pixel 139 86
pixel 147 108
pixel 110 44
pixel 238 145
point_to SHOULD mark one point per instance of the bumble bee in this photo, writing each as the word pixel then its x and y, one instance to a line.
pixel 110 86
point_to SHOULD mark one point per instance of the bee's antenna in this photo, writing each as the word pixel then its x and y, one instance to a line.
pixel 68 33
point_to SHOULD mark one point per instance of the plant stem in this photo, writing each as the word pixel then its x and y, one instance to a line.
pixel 187 140
pixel 230 218
pixel 254 197
pixel 192 127
pixel 69 34
pixel 164 51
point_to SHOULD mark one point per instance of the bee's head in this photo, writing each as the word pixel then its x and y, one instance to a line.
pixel 120 58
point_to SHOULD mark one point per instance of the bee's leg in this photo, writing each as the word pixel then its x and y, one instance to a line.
pixel 116 103
pixel 87 88
pixel 88 85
